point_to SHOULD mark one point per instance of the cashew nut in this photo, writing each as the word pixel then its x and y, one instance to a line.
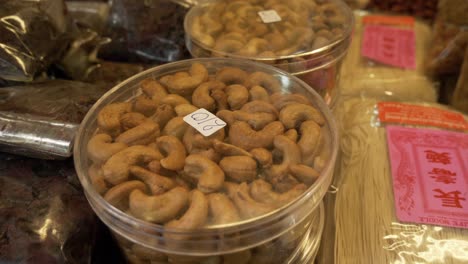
pixel 175 152
pixel 309 141
pixel 142 134
pixel 263 192
pixel 118 195
pixel 185 109
pixel 210 154
pixel 108 119
pixel 153 89
pixel 195 216
pixel 209 175
pixel 174 100
pixel 294 114
pixel 220 98
pixel 262 156
pixel 242 135
pixel 231 75
pixel 194 140
pixel 97 179
pixel 292 134
pixel 228 149
pixel 265 80
pixel 303 173
pixel 157 184
pixel 281 100
pixel 260 107
pixel 131 120
pixel 223 211
pixel 100 148
pixel 144 105
pixel 176 127
pixel 237 96
pixel 239 168
pixel 248 207
pixel 201 97
pixel 116 168
pixel 164 113
pixel 185 85
pixel 258 93
pixel 159 208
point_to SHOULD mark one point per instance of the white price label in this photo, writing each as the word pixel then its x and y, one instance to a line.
pixel 204 122
pixel 269 16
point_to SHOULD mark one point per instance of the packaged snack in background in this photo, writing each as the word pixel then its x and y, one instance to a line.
pixel 426 9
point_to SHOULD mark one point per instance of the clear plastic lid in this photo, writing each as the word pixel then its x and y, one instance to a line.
pixel 268 29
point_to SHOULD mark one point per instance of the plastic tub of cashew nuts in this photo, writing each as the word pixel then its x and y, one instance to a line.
pixel 210 160
pixel 307 38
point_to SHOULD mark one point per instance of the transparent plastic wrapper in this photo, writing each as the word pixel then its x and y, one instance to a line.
pixel 426 9
pixel 111 73
pixel 32 37
pixel 44 217
pixel 362 76
pixel 93 14
pixel 146 31
pixel 308 39
pixel 363 226
pixel 253 199
pixel 60 100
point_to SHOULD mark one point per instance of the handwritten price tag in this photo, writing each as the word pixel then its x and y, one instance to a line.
pixel 204 122
pixel 269 16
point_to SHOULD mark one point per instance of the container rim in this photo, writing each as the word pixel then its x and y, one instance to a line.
pixel 252 223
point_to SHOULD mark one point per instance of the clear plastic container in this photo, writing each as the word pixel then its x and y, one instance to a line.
pixel 309 41
pixel 288 234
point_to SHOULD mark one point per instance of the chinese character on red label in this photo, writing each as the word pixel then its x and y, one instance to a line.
pixel 443 176
pixel 389 45
pixel 430 175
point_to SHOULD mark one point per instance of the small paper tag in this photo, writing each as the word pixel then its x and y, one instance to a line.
pixel 399 113
pixel 430 175
pixel 204 122
pixel 390 45
pixel 269 16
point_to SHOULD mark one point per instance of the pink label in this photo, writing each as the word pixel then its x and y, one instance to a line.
pixel 430 176
pixel 389 45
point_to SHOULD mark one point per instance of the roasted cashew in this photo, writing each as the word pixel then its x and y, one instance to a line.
pixel 142 134
pixel 201 97
pixel 292 134
pixel 222 210
pixel 153 89
pixel 116 168
pixel 237 96
pixel 265 80
pixel 209 153
pixel 242 135
pixel 220 98
pixel 256 120
pixel 276 40
pixel 155 167
pixel 195 216
pixel 174 100
pixel 108 119
pixel 255 46
pixel 309 141
pixel 280 100
pixel 186 85
pixel 227 116
pixel 262 156
pixel 231 75
pixel 332 14
pixel 164 113
pixel 209 175
pixel 100 148
pixel 293 115
pixel 260 107
pixel 157 184
pixel 227 46
pixel 303 173
pixel 118 195
pixel 159 208
pixel 194 140
pixel 248 207
pixel 175 150
pixel 144 105
pixel 131 120
pixel 226 149
pixel 97 179
pixel 185 109
pixel 176 127
pixel 239 168
pixel 263 192
pixel 258 93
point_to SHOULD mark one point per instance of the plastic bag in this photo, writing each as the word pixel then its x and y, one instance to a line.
pixel 33 36
pixel 146 31
pixel 362 76
pixel 44 216
pixel 362 224
pixel 58 99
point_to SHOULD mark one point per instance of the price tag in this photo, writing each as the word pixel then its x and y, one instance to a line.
pixel 390 45
pixel 269 16
pixel 430 176
pixel 204 122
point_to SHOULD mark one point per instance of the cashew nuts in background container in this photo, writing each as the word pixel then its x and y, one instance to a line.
pixel 248 192
pixel 307 38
